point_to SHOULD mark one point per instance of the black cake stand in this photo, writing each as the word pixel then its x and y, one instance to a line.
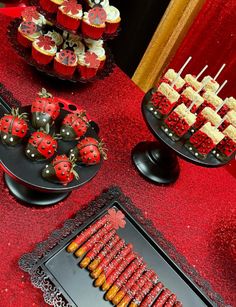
pixel 157 161
pixel 23 177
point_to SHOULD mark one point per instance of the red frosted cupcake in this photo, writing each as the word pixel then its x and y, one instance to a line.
pixel 31 14
pixel 50 6
pixel 93 23
pixel 43 50
pixel 65 63
pixel 70 14
pixel 28 31
pixel 100 53
pixel 113 19
pixel 56 37
pixel 88 65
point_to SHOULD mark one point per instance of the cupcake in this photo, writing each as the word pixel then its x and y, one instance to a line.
pixel 93 23
pixel 31 14
pixel 74 42
pixel 90 43
pixel 70 14
pixel 65 63
pixel 100 53
pixel 113 19
pixel 50 6
pixel 56 37
pixel 28 31
pixel 43 50
pixel 88 65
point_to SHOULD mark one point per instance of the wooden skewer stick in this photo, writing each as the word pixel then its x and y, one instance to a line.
pixel 201 72
pixel 194 100
pixel 221 87
pixel 180 71
pixel 218 73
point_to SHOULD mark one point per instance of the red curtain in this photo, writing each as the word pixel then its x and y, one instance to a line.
pixel 212 40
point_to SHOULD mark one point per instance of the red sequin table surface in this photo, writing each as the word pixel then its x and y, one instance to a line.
pixel 196 214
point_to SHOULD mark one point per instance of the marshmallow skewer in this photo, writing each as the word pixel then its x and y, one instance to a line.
pixel 219 72
pixel 180 71
pixel 201 72
pixel 197 92
pixel 221 87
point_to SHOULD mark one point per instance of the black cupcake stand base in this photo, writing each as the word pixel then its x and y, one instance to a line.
pixel 157 161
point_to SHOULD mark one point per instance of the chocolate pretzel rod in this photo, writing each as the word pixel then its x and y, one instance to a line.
pixel 118 270
pixel 150 298
pixel 162 298
pixel 144 290
pixel 178 304
pixel 123 278
pixel 111 266
pixel 136 287
pixel 105 251
pixel 97 248
pixel 96 237
pixel 126 287
pixel 171 301
pixel 120 244
pixel 86 234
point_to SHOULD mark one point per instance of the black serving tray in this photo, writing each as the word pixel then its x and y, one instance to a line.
pixel 70 284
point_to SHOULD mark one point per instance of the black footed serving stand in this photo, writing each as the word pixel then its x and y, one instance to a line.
pixel 157 161
pixel 23 177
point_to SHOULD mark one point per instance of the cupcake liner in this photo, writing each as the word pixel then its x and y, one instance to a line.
pixel 40 57
pixel 63 70
pixel 67 21
pixel 48 6
pixel 102 63
pixel 111 27
pixel 91 31
pixel 87 72
pixel 23 40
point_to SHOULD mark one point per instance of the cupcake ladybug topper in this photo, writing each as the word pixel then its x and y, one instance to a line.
pixel 91 59
pixel 71 6
pixel 67 57
pixel 97 15
pixel 13 127
pixel 30 13
pixel 29 27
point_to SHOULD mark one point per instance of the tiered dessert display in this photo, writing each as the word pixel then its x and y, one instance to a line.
pixel 190 119
pixel 48 151
pixel 66 39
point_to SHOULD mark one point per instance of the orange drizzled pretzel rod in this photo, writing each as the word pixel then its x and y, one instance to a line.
pixel 95 238
pixel 144 290
pixel 118 270
pixel 150 298
pixel 121 280
pixel 136 287
pixel 171 301
pixel 112 265
pixel 162 298
pixel 86 234
pixel 109 256
pixel 126 287
pixel 97 248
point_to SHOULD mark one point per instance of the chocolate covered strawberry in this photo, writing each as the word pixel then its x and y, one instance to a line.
pixel 74 126
pixel 41 146
pixel 13 127
pixel 45 110
pixel 61 170
pixel 88 151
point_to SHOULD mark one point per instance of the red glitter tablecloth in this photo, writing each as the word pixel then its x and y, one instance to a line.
pixel 197 213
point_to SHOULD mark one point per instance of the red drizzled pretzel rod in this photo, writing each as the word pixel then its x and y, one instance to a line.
pixel 102 254
pixel 118 270
pixel 96 237
pixel 136 287
pixel 150 298
pixel 126 287
pixel 123 278
pixel 140 295
pixel 108 258
pixel 86 234
pixel 178 304
pixel 111 266
pixel 97 248
pixel 162 298
pixel 171 301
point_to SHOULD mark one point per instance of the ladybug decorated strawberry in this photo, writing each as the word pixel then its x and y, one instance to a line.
pixel 13 127
pixel 88 151
pixel 74 126
pixel 61 170
pixel 45 110
pixel 41 146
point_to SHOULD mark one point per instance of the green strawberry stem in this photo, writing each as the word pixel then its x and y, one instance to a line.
pixel 103 150
pixel 44 94
pixel 16 113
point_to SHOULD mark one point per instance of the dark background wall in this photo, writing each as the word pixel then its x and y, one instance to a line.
pixel 139 21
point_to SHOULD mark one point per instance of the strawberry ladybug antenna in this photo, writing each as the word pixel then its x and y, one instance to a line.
pixel 103 150
pixel 44 93
pixel 180 71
